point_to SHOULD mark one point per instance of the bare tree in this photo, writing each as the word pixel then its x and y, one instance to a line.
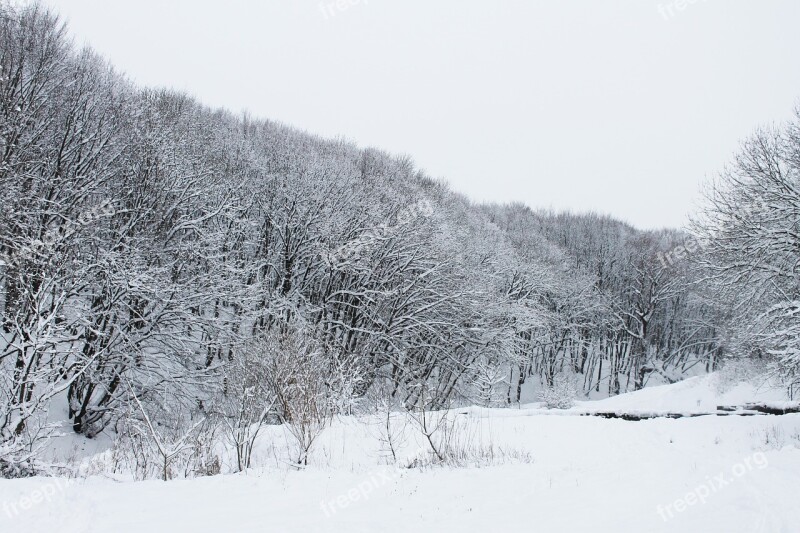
pixel 750 241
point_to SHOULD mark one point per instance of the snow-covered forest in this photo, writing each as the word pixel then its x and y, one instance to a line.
pixel 178 282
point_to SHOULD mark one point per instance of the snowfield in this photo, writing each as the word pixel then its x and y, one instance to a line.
pixel 550 473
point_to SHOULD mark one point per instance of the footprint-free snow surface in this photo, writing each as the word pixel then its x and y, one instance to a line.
pixel 549 473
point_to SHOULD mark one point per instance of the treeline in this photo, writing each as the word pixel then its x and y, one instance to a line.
pixel 166 258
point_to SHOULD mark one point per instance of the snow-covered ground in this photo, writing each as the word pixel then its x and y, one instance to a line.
pixel 554 473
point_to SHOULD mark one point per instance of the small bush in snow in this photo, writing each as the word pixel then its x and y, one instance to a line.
pixel 14 469
pixel 561 395
pixel 18 461
pixel 470 455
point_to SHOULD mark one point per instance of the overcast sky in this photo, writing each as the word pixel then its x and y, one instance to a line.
pixel 619 106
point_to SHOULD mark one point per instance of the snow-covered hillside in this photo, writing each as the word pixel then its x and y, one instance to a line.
pixel 548 473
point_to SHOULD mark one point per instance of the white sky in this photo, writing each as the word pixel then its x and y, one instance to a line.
pixel 608 105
